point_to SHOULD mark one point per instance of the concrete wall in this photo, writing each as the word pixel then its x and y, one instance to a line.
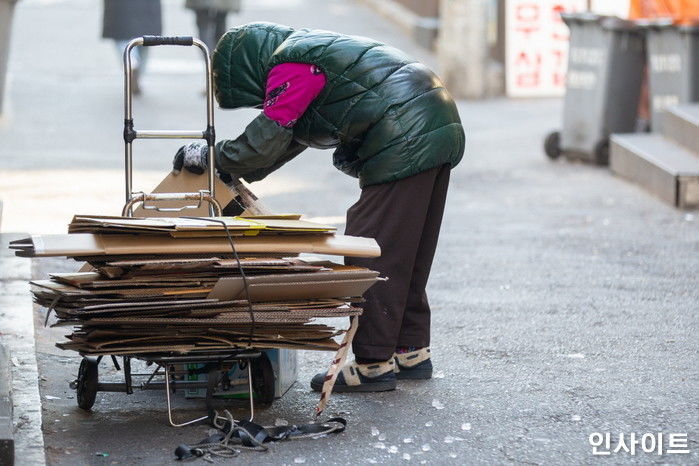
pixel 462 32
pixel 419 18
pixel 6 13
pixel 464 51
pixel 425 8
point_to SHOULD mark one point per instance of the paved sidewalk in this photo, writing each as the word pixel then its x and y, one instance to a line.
pixel 17 334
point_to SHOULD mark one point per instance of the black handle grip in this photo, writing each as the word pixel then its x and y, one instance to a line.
pixel 150 41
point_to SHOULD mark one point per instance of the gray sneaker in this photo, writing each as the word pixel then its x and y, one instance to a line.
pixel 374 377
pixel 413 365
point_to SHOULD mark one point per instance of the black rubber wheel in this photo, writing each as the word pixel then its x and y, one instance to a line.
pixel 552 145
pixel 601 152
pixel 86 390
pixel 263 379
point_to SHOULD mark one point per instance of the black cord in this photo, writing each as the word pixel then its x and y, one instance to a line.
pixel 240 268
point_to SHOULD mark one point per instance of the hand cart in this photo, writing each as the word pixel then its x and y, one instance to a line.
pixel 168 373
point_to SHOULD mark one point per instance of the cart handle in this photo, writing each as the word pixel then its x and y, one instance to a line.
pixel 131 134
pixel 150 41
pixel 202 196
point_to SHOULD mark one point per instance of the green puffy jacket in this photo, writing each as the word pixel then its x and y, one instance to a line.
pixel 387 116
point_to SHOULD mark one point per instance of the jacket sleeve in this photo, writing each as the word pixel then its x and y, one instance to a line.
pixel 261 149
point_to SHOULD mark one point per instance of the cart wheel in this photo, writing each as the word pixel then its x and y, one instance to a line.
pixel 87 383
pixel 263 379
pixel 552 145
pixel 601 152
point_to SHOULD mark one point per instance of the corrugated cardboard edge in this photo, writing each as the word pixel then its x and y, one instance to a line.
pixel 86 244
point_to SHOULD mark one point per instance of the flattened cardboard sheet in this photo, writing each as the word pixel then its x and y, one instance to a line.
pixel 222 320
pixel 168 349
pixel 86 244
pixel 73 291
pixel 92 280
pixel 234 289
pixel 183 225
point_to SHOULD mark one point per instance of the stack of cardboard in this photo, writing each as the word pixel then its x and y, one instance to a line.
pixel 175 284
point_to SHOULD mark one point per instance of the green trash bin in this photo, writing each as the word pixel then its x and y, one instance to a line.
pixel 603 86
pixel 673 65
pixel 6 12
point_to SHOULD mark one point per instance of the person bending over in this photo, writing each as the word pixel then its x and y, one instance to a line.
pixel 392 125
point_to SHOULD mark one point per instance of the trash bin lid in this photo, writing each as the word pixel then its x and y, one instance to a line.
pixel 655 23
pixel 690 27
pixel 579 18
pixel 614 23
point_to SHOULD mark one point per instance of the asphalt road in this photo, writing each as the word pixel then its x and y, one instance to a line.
pixel 565 300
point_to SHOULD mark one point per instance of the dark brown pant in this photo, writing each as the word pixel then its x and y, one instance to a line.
pixel 404 217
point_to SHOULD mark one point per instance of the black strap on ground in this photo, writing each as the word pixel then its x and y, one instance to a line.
pixel 237 435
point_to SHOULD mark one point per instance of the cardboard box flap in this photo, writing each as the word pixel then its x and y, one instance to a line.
pixel 186 182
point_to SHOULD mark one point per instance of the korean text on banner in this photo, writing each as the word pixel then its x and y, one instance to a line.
pixel 537 46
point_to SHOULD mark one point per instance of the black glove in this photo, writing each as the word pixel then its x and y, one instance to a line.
pixel 193 157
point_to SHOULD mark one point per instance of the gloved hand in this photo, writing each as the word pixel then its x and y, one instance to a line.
pixel 290 89
pixel 193 157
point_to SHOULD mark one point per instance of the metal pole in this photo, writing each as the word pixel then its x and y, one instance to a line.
pixel 463 48
pixel 209 118
pixel 130 134
pixel 169 404
pixel 6 12
pixel 128 116
pixel 251 392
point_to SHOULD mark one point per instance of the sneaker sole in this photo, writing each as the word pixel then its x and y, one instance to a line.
pixel 364 388
pixel 414 375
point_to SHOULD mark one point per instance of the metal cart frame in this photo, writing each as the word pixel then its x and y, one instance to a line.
pixel 216 363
